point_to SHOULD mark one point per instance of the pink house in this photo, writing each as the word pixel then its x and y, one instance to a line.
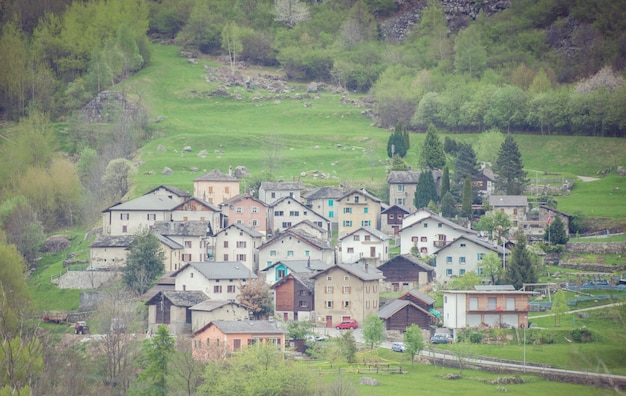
pixel 247 210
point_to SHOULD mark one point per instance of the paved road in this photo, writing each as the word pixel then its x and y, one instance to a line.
pixel 579 310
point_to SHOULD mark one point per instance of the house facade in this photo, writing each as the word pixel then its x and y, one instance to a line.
pixel 489 306
pixel 170 192
pixel 303 268
pixel 109 252
pixel 222 338
pixel 215 187
pixel 295 245
pixel 194 209
pixel 191 235
pixel 294 297
pixel 391 219
pixel 270 192
pixel 357 209
pixel 365 243
pixel 127 218
pixel 346 291
pixel 411 308
pixel 172 308
pixel 484 182
pixel 172 253
pixel 464 254
pixel 324 201
pixel 247 210
pixel 406 272
pixel 209 311
pixel 218 280
pixel 514 206
pixel 403 184
pixel 239 243
pixel 286 212
pixel 311 229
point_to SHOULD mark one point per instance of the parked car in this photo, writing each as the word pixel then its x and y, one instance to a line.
pixel 322 337
pixel 398 347
pixel 440 339
pixel 347 324
pixel 81 327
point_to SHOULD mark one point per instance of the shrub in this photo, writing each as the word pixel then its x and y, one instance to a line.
pixel 582 334
pixel 476 338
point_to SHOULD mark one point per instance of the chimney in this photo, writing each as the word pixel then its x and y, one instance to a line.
pixel 308 262
pixel 366 265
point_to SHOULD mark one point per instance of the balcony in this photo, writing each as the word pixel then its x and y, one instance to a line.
pixel 440 244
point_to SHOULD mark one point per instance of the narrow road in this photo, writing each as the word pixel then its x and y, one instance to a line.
pixel 579 310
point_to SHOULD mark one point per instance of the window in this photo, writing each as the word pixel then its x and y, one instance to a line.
pixel 238 209
pixel 368 238
pixel 188 244
pixel 124 228
pixel 346 304
pixel 425 225
pixel 347 223
pixel 307 253
pixel 330 289
pixel 185 257
pixel 461 260
pixel 294 213
pixel 346 278
pixel 449 260
pixel 400 187
pixel 225 244
pixel 491 303
pixel 357 237
pixel 272 253
pixel 231 288
pixel 424 239
pixel 329 278
pixel 510 304
pixel 479 270
pixel 279 213
pixel 331 202
pixel 449 272
pixel 281 273
pixel 347 210
pixel 152 216
pixel 515 211
pixel 241 244
pixel 346 290
pixel 463 245
pixel 286 224
pixel 255 223
pixel 301 292
pixel 400 201
pixel 331 214
pixel 366 223
pixel 124 216
pixel 227 190
pixel 440 225
pixel 241 257
pixel 461 272
pixel 210 189
pixel 239 221
pixel 273 195
pixel 217 289
pixel 356 199
pixel 414 239
pixel 226 257
pixel 350 250
pixel 423 250
pixel 391 216
pixel 329 304
pixel 289 253
pixel 473 303
pixel 366 210
pixel 302 304
pixel 254 209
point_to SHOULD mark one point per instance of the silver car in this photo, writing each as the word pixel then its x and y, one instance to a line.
pixel 398 347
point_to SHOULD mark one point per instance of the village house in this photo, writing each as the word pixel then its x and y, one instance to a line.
pixel 312 229
pixel 195 209
pixel 170 192
pixel 391 219
pixel 172 253
pixel 270 192
pixel 294 297
pixel 492 306
pixel 215 187
pixel 209 311
pixel 127 218
pixel 484 182
pixel 324 201
pixel 109 252
pixel 286 212
pixel 218 280
pixel 365 244
pixel 514 206
pixel 464 254
pixel 192 235
pixel 282 268
pixel 539 218
pixel 172 308
pixel 222 338
pixel 406 272
pixel 345 292
pixel 240 243
pixel 357 209
pixel 403 184
pixel 295 245
pixel 411 308
pixel 247 210
pixel 425 232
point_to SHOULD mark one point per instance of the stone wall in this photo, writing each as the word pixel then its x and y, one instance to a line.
pixel 596 247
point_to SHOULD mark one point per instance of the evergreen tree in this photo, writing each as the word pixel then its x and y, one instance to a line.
pixel 445 181
pixel 450 145
pixel 465 165
pixel 158 353
pixel 144 263
pixel 448 205
pixel 426 190
pixel 432 155
pixel 555 232
pixel 396 144
pixel 520 268
pixel 466 204
pixel 509 168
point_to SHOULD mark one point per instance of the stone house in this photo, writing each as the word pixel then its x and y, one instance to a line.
pixel 364 244
pixel 357 209
pixel 406 272
pixel 346 291
pixel 222 338
pixel 215 187
pixel 172 308
pixel 172 253
pixel 218 280
pixel 191 235
pixel 195 209
pixel 110 252
pixel 209 311
pixel 412 307
pixel 295 245
pixel 239 243
pixel 403 184
pixel 391 219
pixel 270 192
pixel 514 206
pixel 247 210
pixel 286 212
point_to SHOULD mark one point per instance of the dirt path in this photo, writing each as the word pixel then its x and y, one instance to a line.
pixel 587 178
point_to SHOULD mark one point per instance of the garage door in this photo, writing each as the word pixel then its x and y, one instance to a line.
pixel 473 320
pixel 510 319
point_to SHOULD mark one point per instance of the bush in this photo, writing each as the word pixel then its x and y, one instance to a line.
pixel 582 334
pixel 476 338
pixel 540 337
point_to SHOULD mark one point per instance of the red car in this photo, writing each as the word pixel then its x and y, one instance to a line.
pixel 347 324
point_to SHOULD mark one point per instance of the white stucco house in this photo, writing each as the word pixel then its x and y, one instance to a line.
pixel 240 243
pixel 365 243
pixel 464 254
pixel 295 245
pixel 217 279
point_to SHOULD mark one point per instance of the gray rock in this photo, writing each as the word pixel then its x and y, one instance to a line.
pixel 194 169
pixel 241 171
pixel 160 118
pixel 187 148
pixel 160 147
pixel 312 87
pixel 167 171
pixel 368 381
pixel 202 153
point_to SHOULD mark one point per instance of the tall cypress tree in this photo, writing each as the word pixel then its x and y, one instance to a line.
pixel 448 205
pixel 509 168
pixel 396 144
pixel 520 268
pixel 466 204
pixel 426 190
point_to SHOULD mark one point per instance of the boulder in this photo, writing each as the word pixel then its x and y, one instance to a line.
pixel 160 147
pixel 241 171
pixel 312 87
pixel 56 243
pixel 160 118
pixel 368 381
pixel 167 171
pixel 187 148
pixel 202 153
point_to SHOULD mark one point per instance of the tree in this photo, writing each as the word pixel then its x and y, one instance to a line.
pixel 445 181
pixel 470 54
pixel 432 155
pixel 448 205
pixel 186 371
pixel 465 165
pixel 373 330
pixel 144 263
pixel 555 232
pixel 426 191
pixel 520 268
pixel 347 343
pixel 290 12
pixel 495 221
pixel 466 281
pixel 22 227
pixel 117 177
pixel 466 204
pixel 414 340
pixel 509 168
pixel 492 267
pixel 396 144
pixel 298 330
pixel 158 353
pixel 559 307
pixel 231 42
pixel 255 295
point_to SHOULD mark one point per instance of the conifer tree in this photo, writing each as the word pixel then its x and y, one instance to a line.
pixel 555 232
pixel 509 168
pixel 426 190
pixel 445 181
pixel 448 205
pixel 520 269
pixel 466 205
pixel 144 263
pixel 466 164
pixel 432 155
pixel 396 144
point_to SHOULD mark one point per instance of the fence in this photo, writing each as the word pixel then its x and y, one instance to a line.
pixel 362 368
pixel 547 305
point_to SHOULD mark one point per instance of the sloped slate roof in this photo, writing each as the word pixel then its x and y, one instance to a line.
pixel 220 270
pixel 104 241
pixel 362 192
pixel 362 271
pixel 421 296
pixel 300 234
pixel 390 309
pixel 240 197
pixel 301 266
pixel 249 326
pixel 176 191
pixel 282 186
pixel 412 260
pixel 390 208
pixel 216 175
pixel 478 241
pixel 308 223
pixel 168 242
pixel 378 234
pixel 508 200
pixel 326 192
pixel 211 305
pixel 146 202
pixel 203 202
pixel 180 298
pixel 403 177
pixel 441 220
pixel 244 228
pixel 181 228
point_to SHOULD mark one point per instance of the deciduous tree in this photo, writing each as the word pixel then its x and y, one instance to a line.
pixel 290 12
pixel 373 330
pixel 255 295
pixel 559 307
pixel 492 267
pixel 414 341
pixel 158 352
pixel 144 263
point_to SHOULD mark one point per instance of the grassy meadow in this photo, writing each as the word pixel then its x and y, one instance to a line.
pixel 250 127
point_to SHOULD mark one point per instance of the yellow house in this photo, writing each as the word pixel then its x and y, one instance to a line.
pixel 357 209
pixel 215 187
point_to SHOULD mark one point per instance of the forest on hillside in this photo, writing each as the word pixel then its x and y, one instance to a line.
pixel 550 66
